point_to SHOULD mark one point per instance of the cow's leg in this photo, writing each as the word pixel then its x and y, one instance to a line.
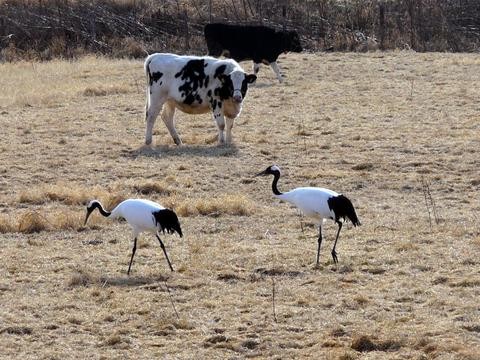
pixel 167 117
pixel 276 70
pixel 220 120
pixel 256 68
pixel 228 138
pixel 152 109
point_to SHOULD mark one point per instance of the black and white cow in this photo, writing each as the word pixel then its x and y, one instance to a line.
pixel 194 85
pixel 258 43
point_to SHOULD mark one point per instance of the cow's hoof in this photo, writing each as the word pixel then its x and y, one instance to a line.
pixel 178 142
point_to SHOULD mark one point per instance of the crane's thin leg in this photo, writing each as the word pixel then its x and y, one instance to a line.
pixel 319 242
pixel 133 254
pixel 334 253
pixel 164 251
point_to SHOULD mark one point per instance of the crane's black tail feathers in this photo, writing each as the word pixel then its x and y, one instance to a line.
pixel 343 208
pixel 168 220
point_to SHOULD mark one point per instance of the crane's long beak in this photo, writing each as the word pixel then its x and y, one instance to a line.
pixel 89 211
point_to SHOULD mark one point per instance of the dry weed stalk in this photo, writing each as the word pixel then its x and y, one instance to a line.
pixel 429 202
pixel 273 300
pixel 300 218
pixel 303 133
pixel 171 300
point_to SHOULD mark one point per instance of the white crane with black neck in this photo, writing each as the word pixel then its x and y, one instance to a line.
pixel 141 215
pixel 317 204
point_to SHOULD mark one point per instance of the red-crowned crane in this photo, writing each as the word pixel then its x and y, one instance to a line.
pixel 317 204
pixel 141 215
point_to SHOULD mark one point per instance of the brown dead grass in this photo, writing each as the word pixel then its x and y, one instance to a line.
pixel 32 222
pixel 67 193
pixel 153 188
pixel 365 343
pixel 227 204
pixel 350 122
pixel 100 90
pixel 7 224
pixel 81 278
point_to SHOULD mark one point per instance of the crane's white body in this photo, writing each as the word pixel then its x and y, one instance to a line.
pixel 139 214
pixel 317 204
pixel 312 201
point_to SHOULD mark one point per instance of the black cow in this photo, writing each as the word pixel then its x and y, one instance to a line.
pixel 258 43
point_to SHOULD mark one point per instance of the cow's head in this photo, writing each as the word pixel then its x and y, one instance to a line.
pixel 292 42
pixel 235 84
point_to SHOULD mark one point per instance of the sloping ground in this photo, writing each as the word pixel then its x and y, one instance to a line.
pixel 397 132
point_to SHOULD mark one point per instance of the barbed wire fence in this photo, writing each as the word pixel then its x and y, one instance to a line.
pixel 52 28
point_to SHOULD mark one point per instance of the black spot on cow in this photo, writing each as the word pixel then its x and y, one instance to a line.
pixel 194 77
pixel 213 103
pixel 189 99
pixel 244 87
pixel 224 91
pixel 220 70
pixel 209 93
pixel 154 77
pixel 194 73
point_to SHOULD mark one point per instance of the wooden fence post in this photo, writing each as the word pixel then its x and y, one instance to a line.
pixel 411 10
pixel 210 11
pixel 382 25
pixel 187 34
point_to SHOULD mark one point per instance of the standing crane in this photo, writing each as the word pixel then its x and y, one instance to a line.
pixel 317 204
pixel 141 215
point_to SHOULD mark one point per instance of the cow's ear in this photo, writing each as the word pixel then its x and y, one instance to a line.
pixel 222 78
pixel 251 78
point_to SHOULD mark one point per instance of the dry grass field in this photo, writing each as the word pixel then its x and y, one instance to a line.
pixel 397 132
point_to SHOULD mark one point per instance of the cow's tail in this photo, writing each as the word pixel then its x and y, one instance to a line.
pixel 149 84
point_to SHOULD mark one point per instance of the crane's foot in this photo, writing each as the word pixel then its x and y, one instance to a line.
pixel 334 256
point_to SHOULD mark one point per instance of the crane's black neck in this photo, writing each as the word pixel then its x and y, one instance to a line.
pixel 101 209
pixel 276 176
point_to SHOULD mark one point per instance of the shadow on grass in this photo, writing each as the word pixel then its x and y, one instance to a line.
pixel 84 278
pixel 128 281
pixel 264 85
pixel 277 272
pixel 183 150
